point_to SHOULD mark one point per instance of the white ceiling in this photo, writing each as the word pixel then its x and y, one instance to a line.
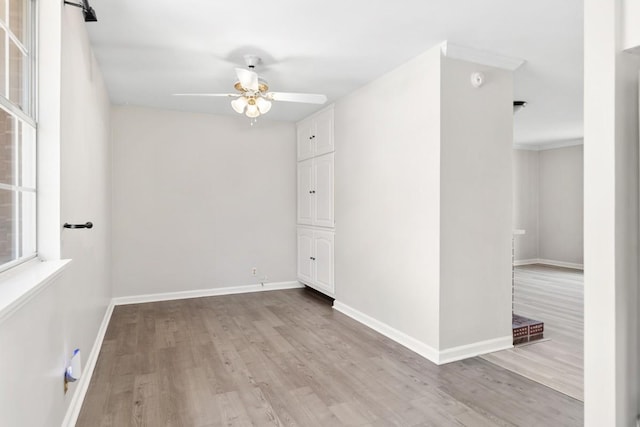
pixel 149 49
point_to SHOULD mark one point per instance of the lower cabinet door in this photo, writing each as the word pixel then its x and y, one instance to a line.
pixel 306 264
pixel 323 250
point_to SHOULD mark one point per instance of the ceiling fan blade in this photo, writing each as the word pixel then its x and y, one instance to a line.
pixel 248 79
pixel 308 98
pixel 207 94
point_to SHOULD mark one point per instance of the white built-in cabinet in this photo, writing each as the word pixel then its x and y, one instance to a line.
pixel 315 259
pixel 315 191
pixel 315 135
pixel 316 219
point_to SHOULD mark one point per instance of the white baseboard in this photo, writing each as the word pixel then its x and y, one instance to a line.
pixel 73 411
pixel 520 262
pixel 424 350
pixel 401 338
pixel 562 264
pixel 549 262
pixel 230 290
pixel 476 349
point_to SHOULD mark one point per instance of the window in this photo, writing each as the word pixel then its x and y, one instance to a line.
pixel 17 132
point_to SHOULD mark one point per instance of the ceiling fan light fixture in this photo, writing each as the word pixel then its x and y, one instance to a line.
pixel 263 105
pixel 252 111
pixel 239 104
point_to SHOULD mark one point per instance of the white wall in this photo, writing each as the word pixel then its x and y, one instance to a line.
pixel 610 219
pixel 199 200
pixel 561 205
pixel 476 205
pixel 417 245
pixel 40 337
pixel 85 163
pixel 548 204
pixel 525 203
pixel 387 184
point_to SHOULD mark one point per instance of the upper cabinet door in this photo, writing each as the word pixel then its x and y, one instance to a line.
pixel 306 195
pixel 305 141
pixel 315 135
pixel 322 135
pixel 323 214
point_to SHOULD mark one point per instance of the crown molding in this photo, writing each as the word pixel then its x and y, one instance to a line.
pixel 477 56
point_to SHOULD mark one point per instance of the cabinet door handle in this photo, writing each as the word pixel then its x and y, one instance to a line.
pixel 312 258
pixel 86 225
pixel 312 191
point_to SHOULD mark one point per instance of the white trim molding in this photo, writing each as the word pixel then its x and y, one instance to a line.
pixel 531 261
pixel 73 411
pixel 477 56
pixel 401 338
pixel 549 145
pixel 198 293
pixel 439 357
pixel 562 264
pixel 476 349
pixel 22 283
pixel 554 263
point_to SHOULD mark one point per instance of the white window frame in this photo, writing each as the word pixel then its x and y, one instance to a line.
pixel 29 117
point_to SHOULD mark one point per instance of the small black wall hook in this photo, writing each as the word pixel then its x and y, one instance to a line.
pixel 87 225
pixel 89 13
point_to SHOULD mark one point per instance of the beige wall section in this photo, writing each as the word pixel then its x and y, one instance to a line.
pixel 85 185
pixel 561 205
pixel 627 256
pixel 199 200
pixel 476 205
pixel 610 219
pixel 525 203
pixel 40 337
pixel 387 198
pixel 85 182
pixel 424 202
pixel 548 204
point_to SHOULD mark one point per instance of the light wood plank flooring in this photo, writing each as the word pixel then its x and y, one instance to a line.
pixel 286 358
pixel 556 296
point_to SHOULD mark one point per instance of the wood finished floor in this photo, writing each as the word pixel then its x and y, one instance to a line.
pixel 286 358
pixel 556 296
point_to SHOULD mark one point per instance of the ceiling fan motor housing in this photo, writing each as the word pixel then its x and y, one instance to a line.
pixel 252 61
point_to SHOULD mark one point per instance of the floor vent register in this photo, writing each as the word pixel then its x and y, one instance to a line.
pixel 526 330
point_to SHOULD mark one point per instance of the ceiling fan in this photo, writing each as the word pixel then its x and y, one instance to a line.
pixel 253 97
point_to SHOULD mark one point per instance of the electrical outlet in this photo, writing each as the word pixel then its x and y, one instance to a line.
pixel 254 271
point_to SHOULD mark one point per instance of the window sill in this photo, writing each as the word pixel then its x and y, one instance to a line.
pixel 23 283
